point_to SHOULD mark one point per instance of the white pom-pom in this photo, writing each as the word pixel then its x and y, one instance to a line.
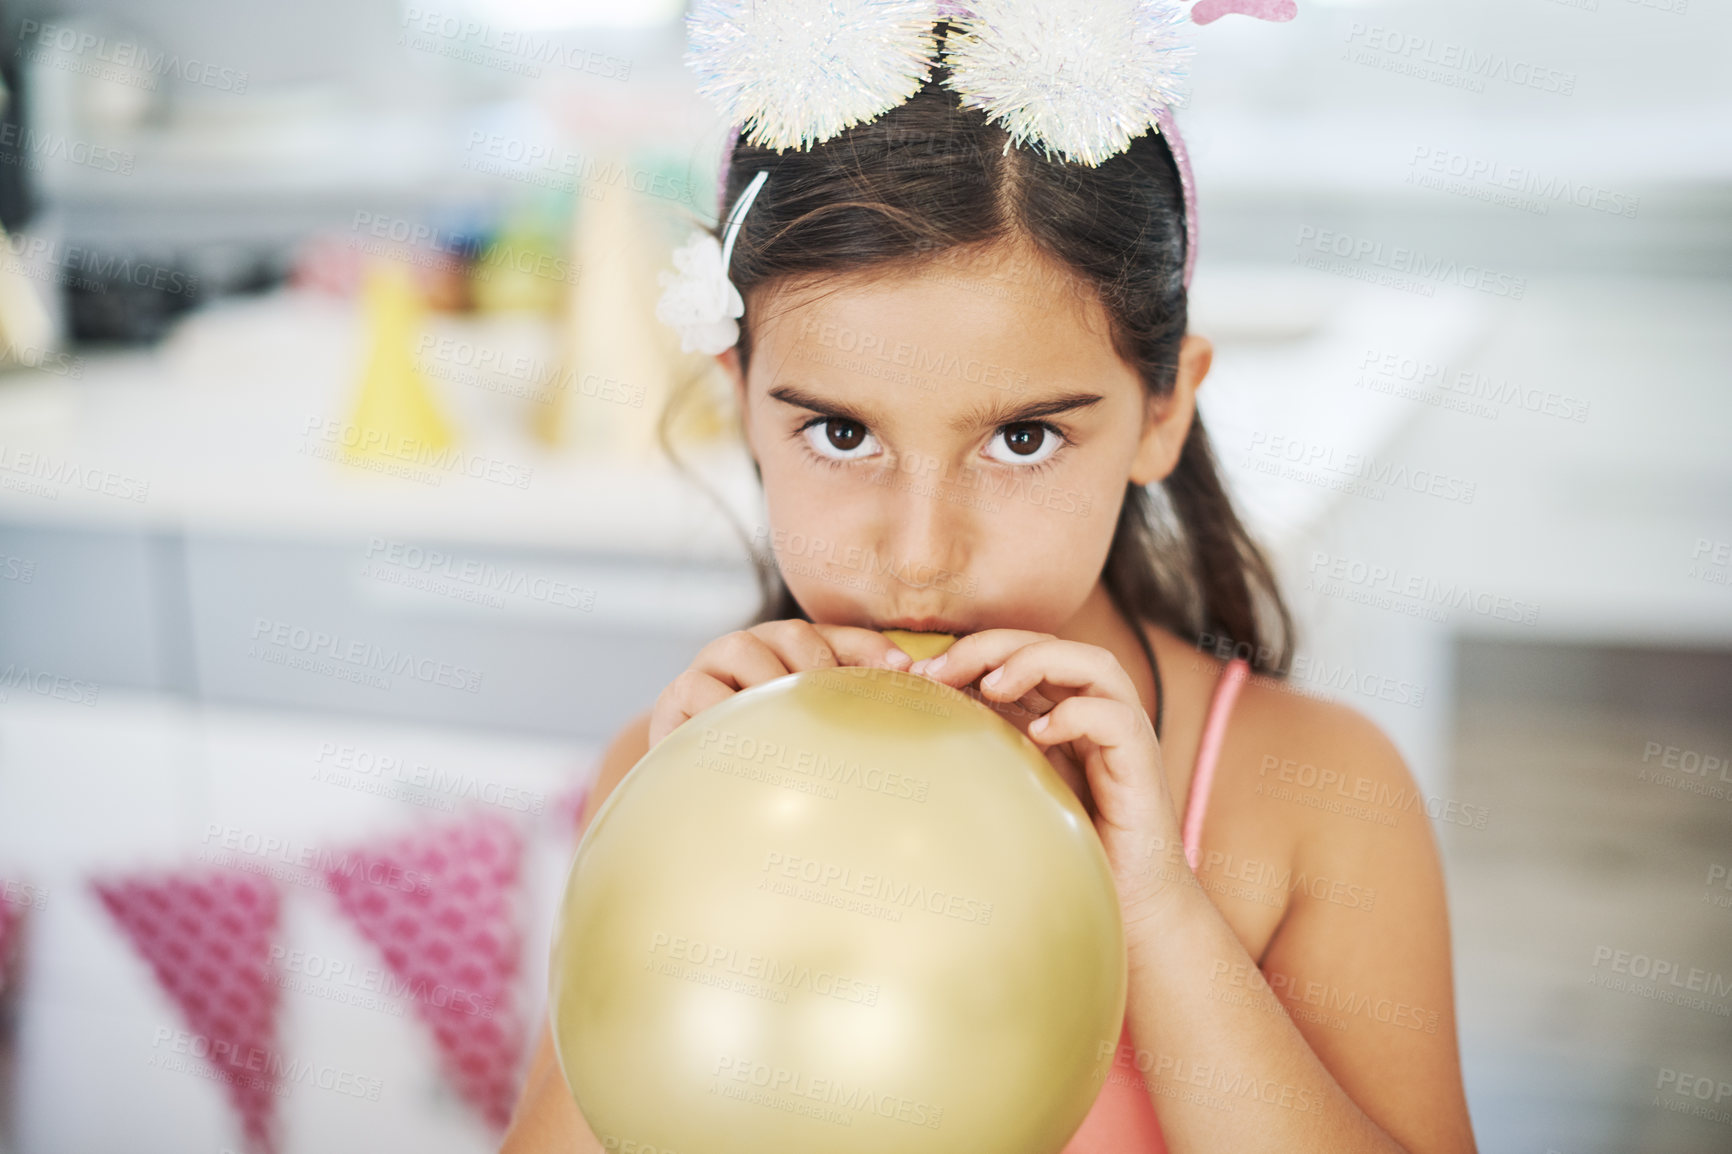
pixel 699 300
pixel 797 72
pixel 1081 78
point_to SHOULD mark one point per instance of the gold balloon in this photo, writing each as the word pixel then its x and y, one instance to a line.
pixel 848 911
pixel 919 645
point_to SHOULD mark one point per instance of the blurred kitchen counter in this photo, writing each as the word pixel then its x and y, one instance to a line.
pixel 221 429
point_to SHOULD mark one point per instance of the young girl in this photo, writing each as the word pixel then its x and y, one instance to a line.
pixel 965 378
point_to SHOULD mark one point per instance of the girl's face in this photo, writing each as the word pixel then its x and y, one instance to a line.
pixel 946 448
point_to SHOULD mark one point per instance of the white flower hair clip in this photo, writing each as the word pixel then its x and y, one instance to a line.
pixel 699 300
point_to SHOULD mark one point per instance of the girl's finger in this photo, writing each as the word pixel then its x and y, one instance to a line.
pixel 686 696
pixel 1121 761
pixel 976 653
pixel 1122 733
pixel 1068 666
pixel 856 646
pixel 744 658
pixel 799 644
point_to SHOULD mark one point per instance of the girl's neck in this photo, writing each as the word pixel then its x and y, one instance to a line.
pixel 1098 622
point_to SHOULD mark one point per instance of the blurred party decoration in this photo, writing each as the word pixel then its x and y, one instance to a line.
pixel 207 938
pixel 523 267
pixel 333 265
pixel 568 806
pixel 26 330
pixel 440 904
pixel 441 265
pixel 16 898
pixel 617 364
pixel 842 912
pixel 395 416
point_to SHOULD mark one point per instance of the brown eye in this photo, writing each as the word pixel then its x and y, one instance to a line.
pixel 1024 440
pixel 1029 442
pixel 839 438
pixel 844 435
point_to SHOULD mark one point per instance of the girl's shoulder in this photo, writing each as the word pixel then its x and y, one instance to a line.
pixel 1318 851
pixel 1313 810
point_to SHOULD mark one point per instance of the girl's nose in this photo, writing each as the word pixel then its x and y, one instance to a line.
pixel 927 531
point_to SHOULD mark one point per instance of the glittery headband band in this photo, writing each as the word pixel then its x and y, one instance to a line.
pixel 795 78
pixel 1204 12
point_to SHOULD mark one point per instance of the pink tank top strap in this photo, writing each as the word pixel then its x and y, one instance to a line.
pixel 1232 679
pixel 1123 1119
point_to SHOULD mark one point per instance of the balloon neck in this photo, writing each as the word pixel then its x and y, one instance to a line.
pixel 920 645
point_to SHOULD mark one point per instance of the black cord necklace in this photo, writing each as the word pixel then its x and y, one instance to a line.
pixel 1155 668
pixel 1149 653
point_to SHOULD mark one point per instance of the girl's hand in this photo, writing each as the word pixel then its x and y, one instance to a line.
pixel 749 657
pixel 1079 705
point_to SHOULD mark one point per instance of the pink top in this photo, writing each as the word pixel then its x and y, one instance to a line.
pixel 1122 1120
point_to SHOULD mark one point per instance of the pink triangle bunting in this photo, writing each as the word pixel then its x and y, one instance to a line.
pixel 206 935
pixel 568 808
pixel 15 900
pixel 439 904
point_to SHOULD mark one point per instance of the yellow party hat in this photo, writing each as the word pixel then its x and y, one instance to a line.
pixel 615 370
pixel 395 415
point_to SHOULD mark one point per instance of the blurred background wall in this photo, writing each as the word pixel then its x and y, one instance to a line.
pixel 198 198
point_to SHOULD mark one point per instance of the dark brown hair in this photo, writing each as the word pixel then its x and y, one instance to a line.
pixel 930 181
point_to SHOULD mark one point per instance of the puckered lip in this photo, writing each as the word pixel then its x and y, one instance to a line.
pixel 924 625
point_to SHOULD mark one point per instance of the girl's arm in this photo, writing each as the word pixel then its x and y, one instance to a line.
pixel 1344 1039
pixel 547 1120
pixel 1362 1055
